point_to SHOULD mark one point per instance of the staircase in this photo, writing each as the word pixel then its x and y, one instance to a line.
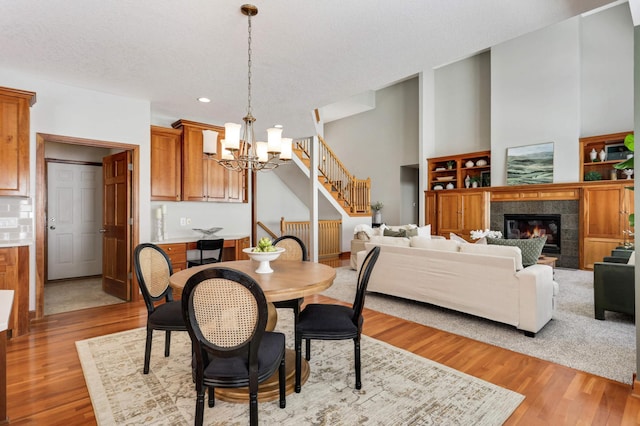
pixel 351 193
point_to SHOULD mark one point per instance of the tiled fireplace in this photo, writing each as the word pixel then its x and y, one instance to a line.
pixel 564 213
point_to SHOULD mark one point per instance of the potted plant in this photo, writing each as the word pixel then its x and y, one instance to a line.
pixel 377 213
pixel 450 164
pixel 475 181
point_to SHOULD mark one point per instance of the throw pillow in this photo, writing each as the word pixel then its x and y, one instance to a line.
pixel 632 258
pixel 455 237
pixel 424 231
pixel 531 248
pixel 495 250
pixel 398 233
pixel 411 232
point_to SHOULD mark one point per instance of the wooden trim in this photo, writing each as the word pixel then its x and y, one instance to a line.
pixel 40 197
pixel 25 94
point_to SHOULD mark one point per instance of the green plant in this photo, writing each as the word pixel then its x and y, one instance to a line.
pixel 450 164
pixel 377 206
pixel 592 175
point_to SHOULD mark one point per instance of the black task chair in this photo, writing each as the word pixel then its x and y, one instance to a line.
pixel 335 322
pixel 153 269
pixel 226 314
pixel 294 250
pixel 206 257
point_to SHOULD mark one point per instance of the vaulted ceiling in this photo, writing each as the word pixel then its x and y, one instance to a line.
pixel 306 54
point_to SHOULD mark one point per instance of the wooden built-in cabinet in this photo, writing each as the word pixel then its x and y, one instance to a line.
pixel 166 164
pixel 455 168
pixel 203 179
pixel 14 275
pixel 177 252
pixel 14 141
pixel 457 211
pixel 604 213
pixel 613 145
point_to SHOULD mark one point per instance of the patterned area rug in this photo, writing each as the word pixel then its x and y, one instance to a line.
pixel 399 388
pixel 573 337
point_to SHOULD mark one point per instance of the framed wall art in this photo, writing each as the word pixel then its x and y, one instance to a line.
pixel 530 164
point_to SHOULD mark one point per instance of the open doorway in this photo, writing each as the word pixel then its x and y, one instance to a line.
pixel 42 222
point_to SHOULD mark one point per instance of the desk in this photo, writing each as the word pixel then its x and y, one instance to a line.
pixel 290 279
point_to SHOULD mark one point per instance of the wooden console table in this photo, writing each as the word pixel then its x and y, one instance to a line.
pixel 547 260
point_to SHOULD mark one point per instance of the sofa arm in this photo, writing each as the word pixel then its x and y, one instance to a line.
pixel 356 246
pixel 613 288
pixel 536 294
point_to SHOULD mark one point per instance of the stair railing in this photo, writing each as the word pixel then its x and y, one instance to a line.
pixel 353 192
pixel 329 235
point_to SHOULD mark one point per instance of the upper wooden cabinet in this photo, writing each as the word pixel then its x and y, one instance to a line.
pixel 599 169
pixel 14 141
pixel 605 209
pixel 203 179
pixel 454 169
pixel 166 164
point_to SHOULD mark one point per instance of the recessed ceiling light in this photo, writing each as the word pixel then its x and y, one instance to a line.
pixel 204 100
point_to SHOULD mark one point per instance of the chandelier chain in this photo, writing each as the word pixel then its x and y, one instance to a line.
pixel 249 69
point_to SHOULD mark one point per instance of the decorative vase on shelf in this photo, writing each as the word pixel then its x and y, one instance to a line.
pixel 603 155
pixel 593 154
pixel 449 185
pixel 628 172
pixel 474 184
pixel 467 182
pixel 469 163
pixel 377 217
pixel 481 162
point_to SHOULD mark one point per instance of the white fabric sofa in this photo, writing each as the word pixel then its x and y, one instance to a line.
pixel 483 280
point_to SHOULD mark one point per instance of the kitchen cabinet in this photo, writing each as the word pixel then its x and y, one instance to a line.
pixel 604 225
pixel 166 164
pixel 461 211
pixel 203 179
pixel 14 141
pixel 14 275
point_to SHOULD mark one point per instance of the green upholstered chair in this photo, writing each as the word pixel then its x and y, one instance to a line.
pixel 613 288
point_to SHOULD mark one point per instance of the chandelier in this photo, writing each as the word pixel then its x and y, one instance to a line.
pixel 239 154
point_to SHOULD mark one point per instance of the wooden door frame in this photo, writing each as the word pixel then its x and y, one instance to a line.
pixel 41 197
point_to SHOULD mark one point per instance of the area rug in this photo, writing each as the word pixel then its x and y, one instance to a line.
pixel 573 337
pixel 398 387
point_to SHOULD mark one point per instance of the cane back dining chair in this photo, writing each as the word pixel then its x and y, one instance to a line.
pixel 153 269
pixel 226 315
pixel 206 247
pixel 334 322
pixel 294 250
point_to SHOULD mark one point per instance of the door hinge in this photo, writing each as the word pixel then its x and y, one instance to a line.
pixel 130 275
pixel 130 221
pixel 130 167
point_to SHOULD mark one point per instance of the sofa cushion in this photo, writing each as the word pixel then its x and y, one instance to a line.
pixel 391 241
pixel 392 233
pixel 531 248
pixel 495 250
pixel 434 244
pixel 461 240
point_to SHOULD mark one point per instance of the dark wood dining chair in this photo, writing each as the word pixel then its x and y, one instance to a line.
pixel 335 322
pixel 153 269
pixel 206 247
pixel 226 315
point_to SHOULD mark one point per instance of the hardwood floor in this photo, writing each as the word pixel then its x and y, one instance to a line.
pixel 46 384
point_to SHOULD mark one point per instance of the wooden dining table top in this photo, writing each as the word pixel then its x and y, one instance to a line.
pixel 290 279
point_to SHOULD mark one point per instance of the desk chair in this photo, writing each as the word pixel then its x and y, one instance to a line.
pixel 206 247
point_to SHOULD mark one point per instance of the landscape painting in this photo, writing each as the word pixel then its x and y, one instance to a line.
pixel 530 164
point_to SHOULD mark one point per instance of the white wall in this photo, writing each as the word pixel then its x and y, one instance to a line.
pixel 535 97
pixel 607 72
pixel 376 143
pixel 71 111
pixel 463 100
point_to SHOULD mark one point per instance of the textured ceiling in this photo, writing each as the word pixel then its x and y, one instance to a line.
pixel 306 54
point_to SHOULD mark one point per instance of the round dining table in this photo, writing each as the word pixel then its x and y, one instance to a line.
pixel 290 279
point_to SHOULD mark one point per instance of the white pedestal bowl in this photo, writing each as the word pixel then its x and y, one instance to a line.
pixel 264 257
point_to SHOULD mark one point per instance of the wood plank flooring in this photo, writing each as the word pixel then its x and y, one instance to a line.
pixel 46 385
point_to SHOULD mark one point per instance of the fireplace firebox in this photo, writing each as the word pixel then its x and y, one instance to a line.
pixel 524 226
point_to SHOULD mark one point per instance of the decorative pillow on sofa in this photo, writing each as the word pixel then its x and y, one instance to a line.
pixel 424 231
pixel 393 241
pixel 494 250
pixel 632 258
pixel 531 248
pixel 434 244
pixel 391 233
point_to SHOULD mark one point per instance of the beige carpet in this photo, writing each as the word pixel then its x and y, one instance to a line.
pixel 76 294
pixel 399 388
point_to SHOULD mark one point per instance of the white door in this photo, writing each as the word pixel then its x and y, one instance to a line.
pixel 74 196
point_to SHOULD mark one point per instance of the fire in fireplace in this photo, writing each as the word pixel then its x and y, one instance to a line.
pixel 524 226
